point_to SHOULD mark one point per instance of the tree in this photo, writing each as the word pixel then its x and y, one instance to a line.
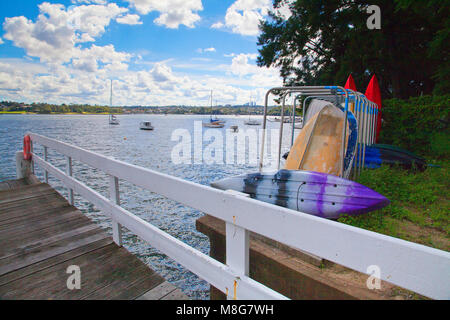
pixel 323 41
pixel 45 109
pixel 439 47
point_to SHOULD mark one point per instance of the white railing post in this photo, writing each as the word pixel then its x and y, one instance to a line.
pixel 237 250
pixel 32 162
pixel 46 159
pixel 69 173
pixel 115 196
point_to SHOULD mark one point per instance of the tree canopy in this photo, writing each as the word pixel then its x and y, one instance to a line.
pixel 322 41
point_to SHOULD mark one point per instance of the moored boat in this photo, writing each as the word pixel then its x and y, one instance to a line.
pixel 146 125
pixel 213 124
pixel 113 120
pixel 252 122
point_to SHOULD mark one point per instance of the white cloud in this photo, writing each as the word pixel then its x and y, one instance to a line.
pixel 200 50
pixel 90 1
pixel 54 36
pixel 243 16
pixel 72 70
pixel 51 38
pixel 218 25
pixel 158 85
pixel 1 41
pixel 173 13
pixel 91 20
pixel 162 73
pixel 131 19
pixel 241 66
pixel 284 11
pixel 87 59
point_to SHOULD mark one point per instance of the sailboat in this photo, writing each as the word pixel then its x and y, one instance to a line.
pixel 213 123
pixel 215 118
pixel 112 118
pixel 251 122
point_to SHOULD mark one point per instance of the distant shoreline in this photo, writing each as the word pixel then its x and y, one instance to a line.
pixel 55 113
pixel 124 114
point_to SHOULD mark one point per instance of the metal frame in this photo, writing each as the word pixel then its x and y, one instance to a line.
pixel 303 90
pixel 365 112
pixel 409 265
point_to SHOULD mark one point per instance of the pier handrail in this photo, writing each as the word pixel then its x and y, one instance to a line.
pixel 415 267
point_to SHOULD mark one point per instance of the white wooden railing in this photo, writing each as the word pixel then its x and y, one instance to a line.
pixel 409 265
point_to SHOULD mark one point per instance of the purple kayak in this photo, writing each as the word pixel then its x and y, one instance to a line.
pixel 316 193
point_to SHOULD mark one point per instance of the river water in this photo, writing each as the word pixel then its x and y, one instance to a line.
pixel 148 149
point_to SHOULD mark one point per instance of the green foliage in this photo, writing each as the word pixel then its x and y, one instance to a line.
pixel 44 108
pixel 439 47
pixel 323 41
pixel 420 198
pixel 420 125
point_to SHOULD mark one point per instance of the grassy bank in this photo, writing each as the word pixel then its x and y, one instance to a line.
pixel 420 205
pixel 419 208
pixel 15 112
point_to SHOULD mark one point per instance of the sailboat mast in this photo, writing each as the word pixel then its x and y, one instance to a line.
pixel 249 105
pixel 211 106
pixel 110 96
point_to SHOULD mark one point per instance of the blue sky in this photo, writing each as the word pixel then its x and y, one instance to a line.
pixel 158 52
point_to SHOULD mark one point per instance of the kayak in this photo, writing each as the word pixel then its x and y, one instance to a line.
pixel 316 193
pixel 395 148
pixel 378 154
pixel 318 147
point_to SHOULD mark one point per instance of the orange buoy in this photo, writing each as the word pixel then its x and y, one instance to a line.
pixel 27 148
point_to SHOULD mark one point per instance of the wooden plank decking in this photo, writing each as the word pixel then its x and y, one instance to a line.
pixel 41 235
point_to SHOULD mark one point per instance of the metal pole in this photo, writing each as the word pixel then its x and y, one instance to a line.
pixel 344 134
pixel 280 138
pixel 363 131
pixel 294 109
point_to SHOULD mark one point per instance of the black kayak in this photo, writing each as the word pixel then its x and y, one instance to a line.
pixel 379 154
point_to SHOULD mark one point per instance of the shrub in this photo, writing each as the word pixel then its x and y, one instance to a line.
pixel 419 124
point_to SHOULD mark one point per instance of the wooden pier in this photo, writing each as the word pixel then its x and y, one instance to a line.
pixel 41 235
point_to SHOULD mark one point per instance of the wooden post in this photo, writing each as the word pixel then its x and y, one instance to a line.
pixel 237 250
pixel 69 173
pixel 114 195
pixel 23 167
pixel 46 159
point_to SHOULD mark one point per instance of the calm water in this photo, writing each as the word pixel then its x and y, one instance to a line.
pixel 149 149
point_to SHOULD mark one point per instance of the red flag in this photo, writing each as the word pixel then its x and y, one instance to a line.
pixel 373 94
pixel 350 84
